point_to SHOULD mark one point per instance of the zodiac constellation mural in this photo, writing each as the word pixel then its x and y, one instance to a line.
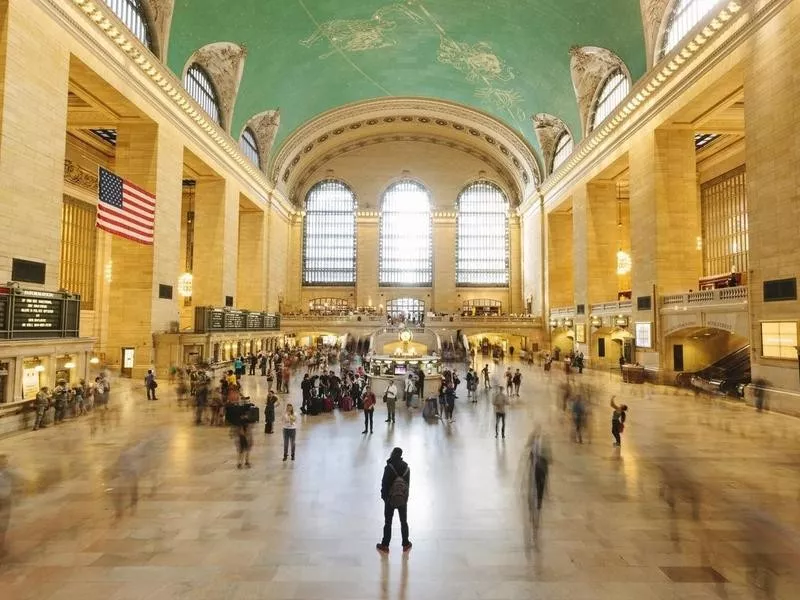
pixel 477 62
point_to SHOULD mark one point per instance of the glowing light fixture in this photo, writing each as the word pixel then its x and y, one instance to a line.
pixel 185 282
pixel 38 368
pixel 624 262
pixel 94 361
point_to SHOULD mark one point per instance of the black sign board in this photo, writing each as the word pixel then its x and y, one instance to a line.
pixel 38 314
pixel 209 319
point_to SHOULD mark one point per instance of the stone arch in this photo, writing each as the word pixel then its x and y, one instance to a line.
pixel 159 16
pixel 265 127
pixel 224 64
pixel 590 66
pixel 549 129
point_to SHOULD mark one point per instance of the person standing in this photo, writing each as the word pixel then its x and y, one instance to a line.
pixel 253 362
pixel 369 408
pixel 269 411
pixel 410 388
pixel 509 381
pixel 485 373
pixel 579 416
pixel 421 383
pixel 287 374
pixel 150 385
pixel 618 421
pixel 200 397
pixel 390 396
pixel 42 403
pixel 517 381
pixel 395 487
pixel 244 442
pixel 500 402
pixel 289 431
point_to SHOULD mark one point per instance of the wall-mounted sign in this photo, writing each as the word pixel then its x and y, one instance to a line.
pixel 580 333
pixel 38 314
pixel 128 355
pixel 621 321
pixel 644 335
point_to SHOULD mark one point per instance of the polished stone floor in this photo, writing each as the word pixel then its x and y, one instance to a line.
pixel 307 530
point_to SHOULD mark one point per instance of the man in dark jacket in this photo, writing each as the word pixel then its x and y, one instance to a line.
pixel 395 486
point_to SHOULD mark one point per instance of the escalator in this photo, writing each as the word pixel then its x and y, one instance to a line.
pixel 726 376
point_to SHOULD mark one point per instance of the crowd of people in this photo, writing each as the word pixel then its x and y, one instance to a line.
pixel 65 401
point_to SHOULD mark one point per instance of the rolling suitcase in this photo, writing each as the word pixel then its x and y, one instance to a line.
pixel 327 404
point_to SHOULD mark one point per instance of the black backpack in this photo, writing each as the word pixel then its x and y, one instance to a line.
pixel 398 491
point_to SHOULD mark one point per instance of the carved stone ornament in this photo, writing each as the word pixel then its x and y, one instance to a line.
pixel 653 14
pixel 224 63
pixel 589 66
pixel 265 127
pixel 160 13
pixel 548 129
pixel 77 175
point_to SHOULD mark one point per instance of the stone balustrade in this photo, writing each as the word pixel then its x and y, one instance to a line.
pixel 730 295
pixel 611 308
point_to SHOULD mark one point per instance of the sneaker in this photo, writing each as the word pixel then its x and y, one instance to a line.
pixel 407 547
pixel 363 432
pixel 381 548
pixel 284 458
pixel 387 420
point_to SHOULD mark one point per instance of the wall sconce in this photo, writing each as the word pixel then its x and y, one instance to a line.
pixel 69 364
pixel 94 361
pixel 185 285
pixel 39 366
pixel 624 262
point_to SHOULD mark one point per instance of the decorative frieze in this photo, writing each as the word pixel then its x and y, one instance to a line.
pixel 224 63
pixel 265 128
pixel 77 175
pixel 548 129
pixel 589 66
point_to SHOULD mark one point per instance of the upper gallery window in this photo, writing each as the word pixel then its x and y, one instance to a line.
pixel 563 149
pixel 482 241
pixel 249 146
pixel 329 240
pixel 132 14
pixel 198 84
pixel 612 92
pixel 406 248
pixel 684 16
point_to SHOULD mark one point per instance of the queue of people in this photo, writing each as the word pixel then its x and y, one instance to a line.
pixel 64 401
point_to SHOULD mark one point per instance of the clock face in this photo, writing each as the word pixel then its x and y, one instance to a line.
pixel 405 336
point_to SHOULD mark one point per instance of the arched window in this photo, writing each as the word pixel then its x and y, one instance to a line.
pixel 684 16
pixel 409 309
pixel 482 241
pixel 612 92
pixel 249 146
pixel 329 235
pixel 563 149
pixel 132 14
pixel 406 249
pixel 198 84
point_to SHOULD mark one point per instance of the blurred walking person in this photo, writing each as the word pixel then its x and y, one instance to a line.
pixel 579 416
pixel 150 385
pixel 6 489
pixel 537 467
pixel 500 402
pixel 618 418
pixel 244 442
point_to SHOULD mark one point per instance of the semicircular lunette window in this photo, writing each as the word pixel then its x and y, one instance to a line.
pixel 563 150
pixel 482 241
pixel 406 248
pixel 612 93
pixel 198 84
pixel 329 240
pixel 247 142
pixel 684 16
pixel 132 14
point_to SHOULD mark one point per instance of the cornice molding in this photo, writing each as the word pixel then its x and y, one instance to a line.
pixel 471 124
pixel 650 93
pixel 224 63
pixel 589 66
pixel 172 99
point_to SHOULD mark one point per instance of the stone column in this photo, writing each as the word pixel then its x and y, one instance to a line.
pixel 771 92
pixel 444 295
pixel 33 127
pixel 279 225
pixel 367 257
pixel 533 257
pixel 251 284
pixel 515 304
pixel 216 231
pixel 559 260
pixel 665 221
pixel 294 291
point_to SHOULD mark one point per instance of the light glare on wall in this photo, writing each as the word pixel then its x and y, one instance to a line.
pixel 185 282
pixel 624 263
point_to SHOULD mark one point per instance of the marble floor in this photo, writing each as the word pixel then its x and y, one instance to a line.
pixel 307 529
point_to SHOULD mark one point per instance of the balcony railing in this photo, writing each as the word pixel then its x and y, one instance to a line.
pixel 562 311
pixel 611 308
pixel 730 295
pixel 439 320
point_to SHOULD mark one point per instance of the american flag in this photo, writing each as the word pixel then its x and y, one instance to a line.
pixel 125 209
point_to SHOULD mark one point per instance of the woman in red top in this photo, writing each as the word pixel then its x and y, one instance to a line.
pixel 369 408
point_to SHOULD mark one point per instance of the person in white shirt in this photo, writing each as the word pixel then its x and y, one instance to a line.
pixel 411 388
pixel 289 430
pixel 391 400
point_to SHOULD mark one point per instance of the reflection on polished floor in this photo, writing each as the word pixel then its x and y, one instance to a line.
pixel 307 530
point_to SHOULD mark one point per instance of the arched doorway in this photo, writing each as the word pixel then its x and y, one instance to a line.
pixel 410 309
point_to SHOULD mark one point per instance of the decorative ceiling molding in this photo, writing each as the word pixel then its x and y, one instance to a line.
pixel 589 66
pixel 77 175
pixel 224 63
pixel 476 129
pixel 265 127
pixel 508 181
pixel 654 14
pixel 548 129
pixel 159 15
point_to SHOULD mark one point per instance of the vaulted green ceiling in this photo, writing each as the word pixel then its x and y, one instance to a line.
pixel 508 58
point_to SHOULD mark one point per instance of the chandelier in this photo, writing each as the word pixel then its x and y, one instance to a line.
pixel 624 263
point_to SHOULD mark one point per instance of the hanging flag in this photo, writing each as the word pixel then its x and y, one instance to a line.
pixel 125 209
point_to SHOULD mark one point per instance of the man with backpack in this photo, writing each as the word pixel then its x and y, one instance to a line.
pixel 395 487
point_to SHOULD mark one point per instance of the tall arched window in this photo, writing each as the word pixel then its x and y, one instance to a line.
pixel 329 235
pixel 482 241
pixel 563 149
pixel 406 249
pixel 198 84
pixel 684 16
pixel 132 14
pixel 249 147
pixel 612 92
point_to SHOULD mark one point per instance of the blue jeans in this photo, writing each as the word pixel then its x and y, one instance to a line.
pixel 288 434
